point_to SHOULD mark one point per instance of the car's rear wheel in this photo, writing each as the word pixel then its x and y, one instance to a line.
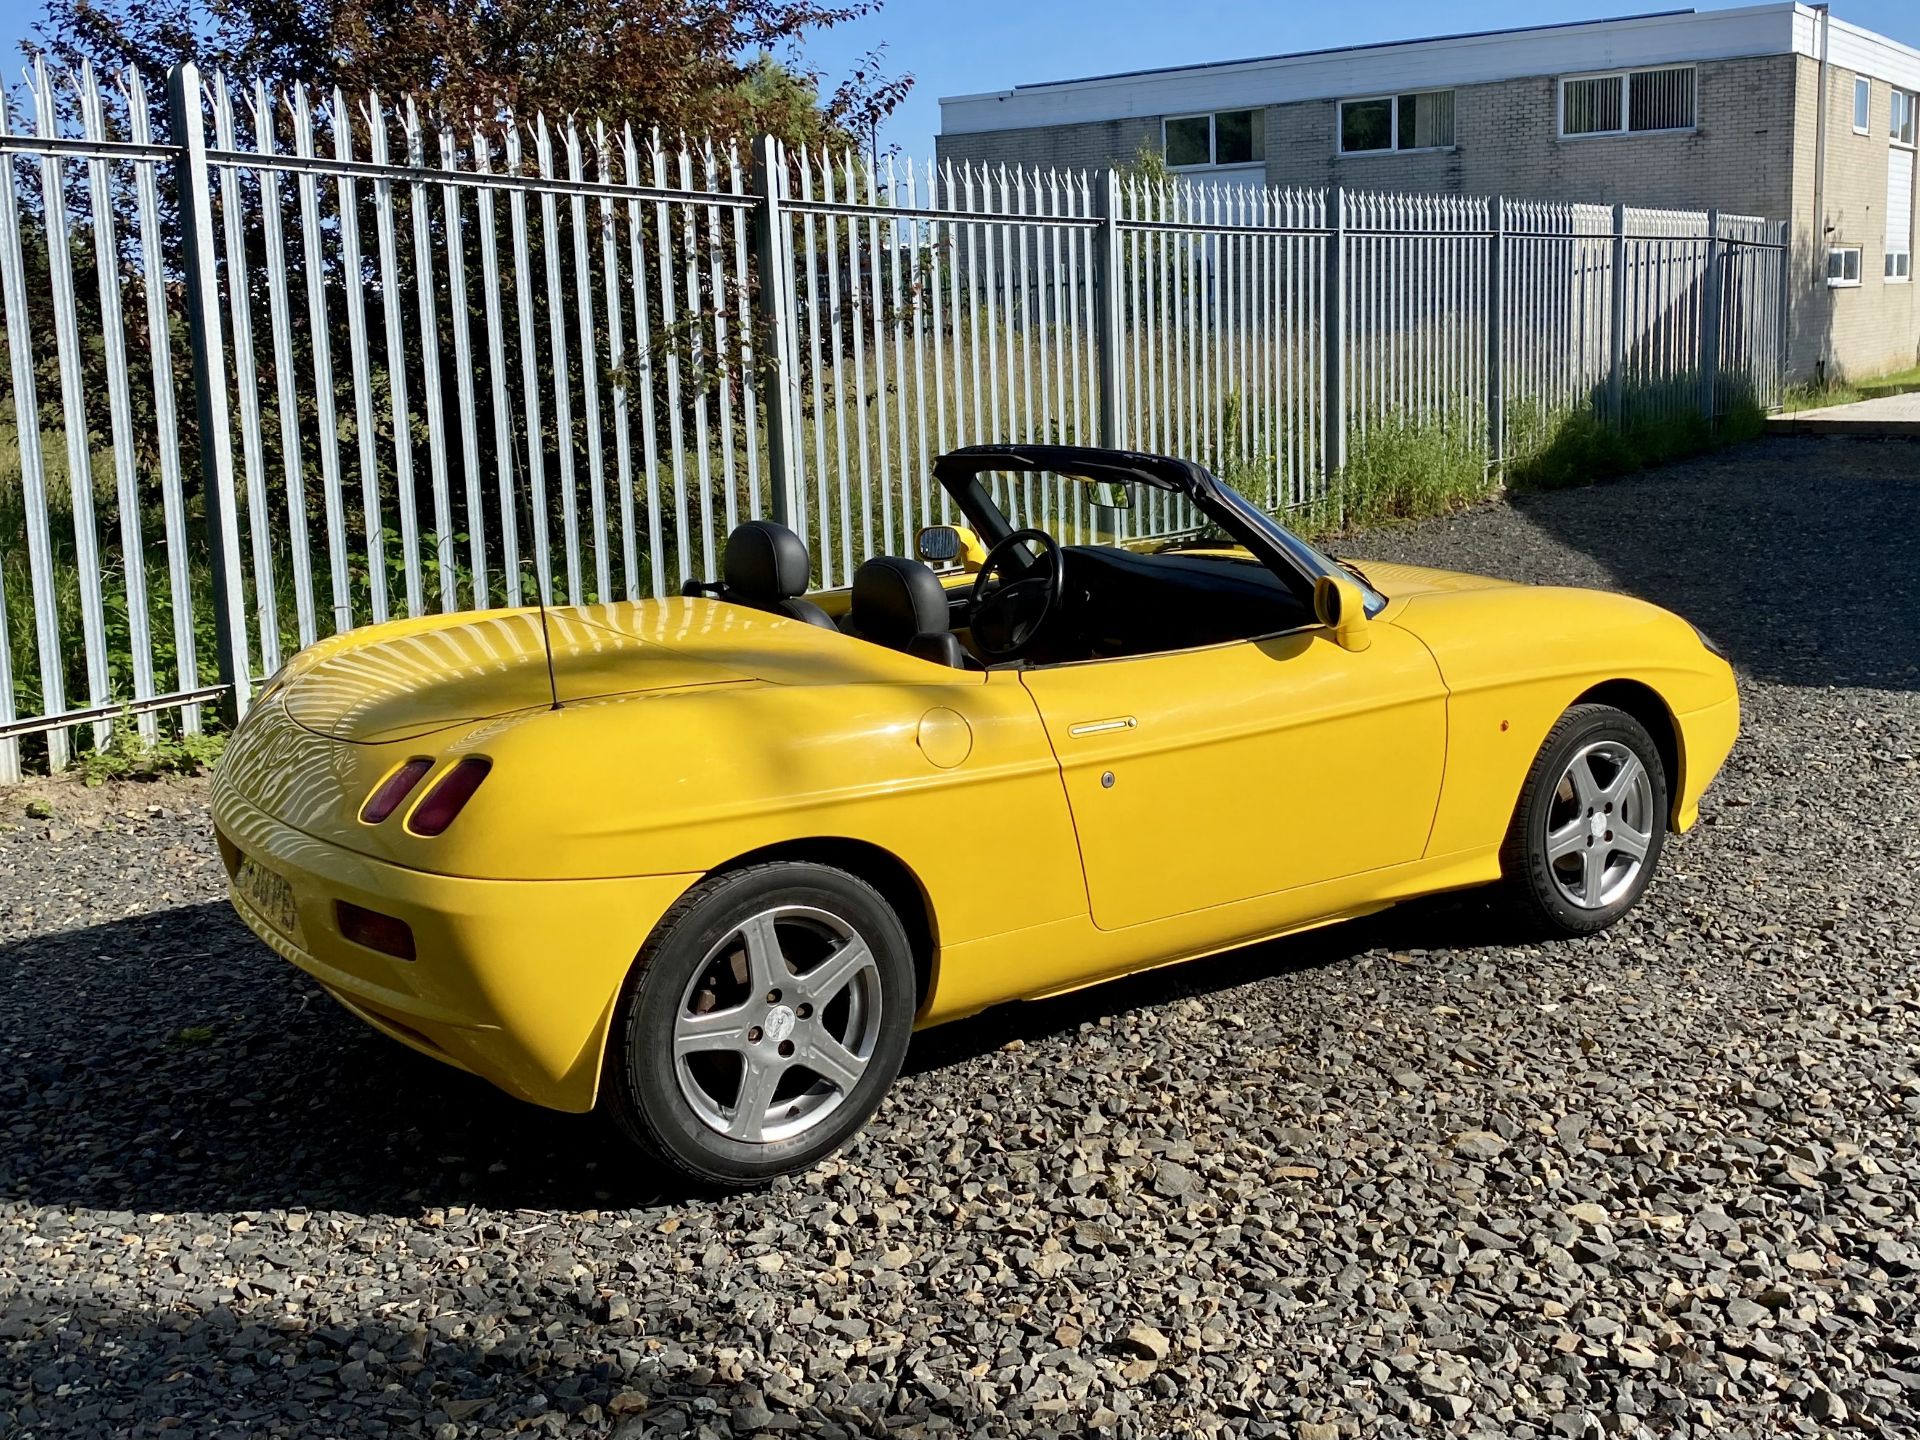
pixel 1590 824
pixel 762 1024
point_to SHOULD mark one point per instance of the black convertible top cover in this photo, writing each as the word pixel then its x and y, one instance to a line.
pixel 1088 462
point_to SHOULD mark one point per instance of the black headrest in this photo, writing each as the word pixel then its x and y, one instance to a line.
pixel 895 600
pixel 765 562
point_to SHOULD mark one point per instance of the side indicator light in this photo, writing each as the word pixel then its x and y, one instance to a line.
pixel 448 797
pixel 385 933
pixel 388 794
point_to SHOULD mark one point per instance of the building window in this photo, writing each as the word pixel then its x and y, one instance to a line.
pixel 1862 105
pixel 1226 137
pixel 1899 265
pixel 1628 102
pixel 1382 123
pixel 1901 128
pixel 1843 265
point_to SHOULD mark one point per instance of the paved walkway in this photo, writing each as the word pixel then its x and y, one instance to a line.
pixel 1889 415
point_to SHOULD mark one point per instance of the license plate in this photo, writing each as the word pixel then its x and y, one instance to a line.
pixel 270 896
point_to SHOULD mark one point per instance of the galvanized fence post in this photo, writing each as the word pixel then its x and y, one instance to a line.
pixel 1108 333
pixel 1333 340
pixel 194 182
pixel 1710 323
pixel 1617 330
pixel 1784 340
pixel 1496 333
pixel 773 289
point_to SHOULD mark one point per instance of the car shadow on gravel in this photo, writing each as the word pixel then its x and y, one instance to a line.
pixel 1799 556
pixel 167 1062
pixel 1467 920
pixel 77 1367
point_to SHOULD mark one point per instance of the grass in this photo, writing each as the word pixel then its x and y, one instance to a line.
pixel 1817 395
pixel 1405 469
pixel 1576 447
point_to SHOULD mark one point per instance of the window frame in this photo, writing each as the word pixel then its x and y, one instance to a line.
pixel 1862 105
pixel 1894 136
pixel 1213 160
pixel 1841 282
pixel 1393 99
pixel 1891 254
pixel 1625 77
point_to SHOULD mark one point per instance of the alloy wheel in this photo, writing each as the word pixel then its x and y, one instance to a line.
pixel 1599 825
pixel 777 1025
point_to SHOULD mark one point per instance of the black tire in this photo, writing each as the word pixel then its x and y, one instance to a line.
pixel 652 1099
pixel 1539 885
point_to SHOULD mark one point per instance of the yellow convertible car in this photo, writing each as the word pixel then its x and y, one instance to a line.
pixel 707 860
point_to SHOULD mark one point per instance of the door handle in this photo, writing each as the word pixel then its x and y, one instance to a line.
pixel 1101 727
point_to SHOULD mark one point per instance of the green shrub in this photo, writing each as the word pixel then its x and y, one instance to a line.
pixel 1552 450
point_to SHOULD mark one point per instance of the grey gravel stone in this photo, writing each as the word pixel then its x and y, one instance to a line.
pixel 227 1208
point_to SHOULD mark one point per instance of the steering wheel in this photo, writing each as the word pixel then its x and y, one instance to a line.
pixel 1018 588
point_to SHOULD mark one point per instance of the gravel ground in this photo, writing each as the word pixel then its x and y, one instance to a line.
pixel 1405 1175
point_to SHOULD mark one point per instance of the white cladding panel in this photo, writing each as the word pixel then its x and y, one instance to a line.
pixel 1899 199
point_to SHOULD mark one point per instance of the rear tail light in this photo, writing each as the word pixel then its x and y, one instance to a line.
pixel 448 796
pixel 388 794
pixel 385 933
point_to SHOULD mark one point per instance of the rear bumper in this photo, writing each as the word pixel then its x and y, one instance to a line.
pixel 1706 739
pixel 514 980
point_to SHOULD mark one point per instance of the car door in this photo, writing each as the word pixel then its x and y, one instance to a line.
pixel 1205 777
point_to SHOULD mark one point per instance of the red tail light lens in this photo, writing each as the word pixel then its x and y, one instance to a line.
pixel 388 794
pixel 449 796
pixel 385 933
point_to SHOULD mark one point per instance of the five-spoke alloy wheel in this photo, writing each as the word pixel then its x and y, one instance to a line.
pixel 1588 829
pixel 762 1023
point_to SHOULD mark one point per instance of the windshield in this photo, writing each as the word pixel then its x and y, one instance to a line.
pixel 1079 511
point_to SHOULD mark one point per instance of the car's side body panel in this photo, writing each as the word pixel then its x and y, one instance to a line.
pixel 1205 777
pixel 1515 658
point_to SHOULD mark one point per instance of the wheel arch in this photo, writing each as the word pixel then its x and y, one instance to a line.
pixel 896 881
pixel 1644 703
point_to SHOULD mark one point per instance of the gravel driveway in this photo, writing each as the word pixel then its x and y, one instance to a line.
pixel 1404 1175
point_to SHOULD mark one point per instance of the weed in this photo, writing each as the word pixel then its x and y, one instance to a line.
pixel 1404 469
pixel 128 756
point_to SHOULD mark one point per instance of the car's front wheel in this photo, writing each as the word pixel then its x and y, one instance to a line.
pixel 1588 829
pixel 762 1023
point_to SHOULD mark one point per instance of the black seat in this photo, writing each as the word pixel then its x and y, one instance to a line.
pixel 898 603
pixel 766 566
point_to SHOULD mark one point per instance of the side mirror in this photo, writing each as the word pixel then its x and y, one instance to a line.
pixel 951 545
pixel 1342 608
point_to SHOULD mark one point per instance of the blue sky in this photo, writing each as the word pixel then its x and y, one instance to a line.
pixel 953 47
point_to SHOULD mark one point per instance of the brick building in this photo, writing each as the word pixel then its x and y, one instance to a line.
pixel 1718 109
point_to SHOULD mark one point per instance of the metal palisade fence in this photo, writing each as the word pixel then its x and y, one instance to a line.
pixel 284 363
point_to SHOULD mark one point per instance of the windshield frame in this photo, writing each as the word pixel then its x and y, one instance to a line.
pixel 1291 559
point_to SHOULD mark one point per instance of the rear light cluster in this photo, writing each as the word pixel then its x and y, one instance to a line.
pixel 448 797
pixel 388 794
pixel 441 805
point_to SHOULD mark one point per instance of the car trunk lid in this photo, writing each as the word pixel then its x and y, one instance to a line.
pixel 477 668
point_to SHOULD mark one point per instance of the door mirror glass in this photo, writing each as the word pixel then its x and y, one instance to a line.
pixel 939 544
pixel 950 545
